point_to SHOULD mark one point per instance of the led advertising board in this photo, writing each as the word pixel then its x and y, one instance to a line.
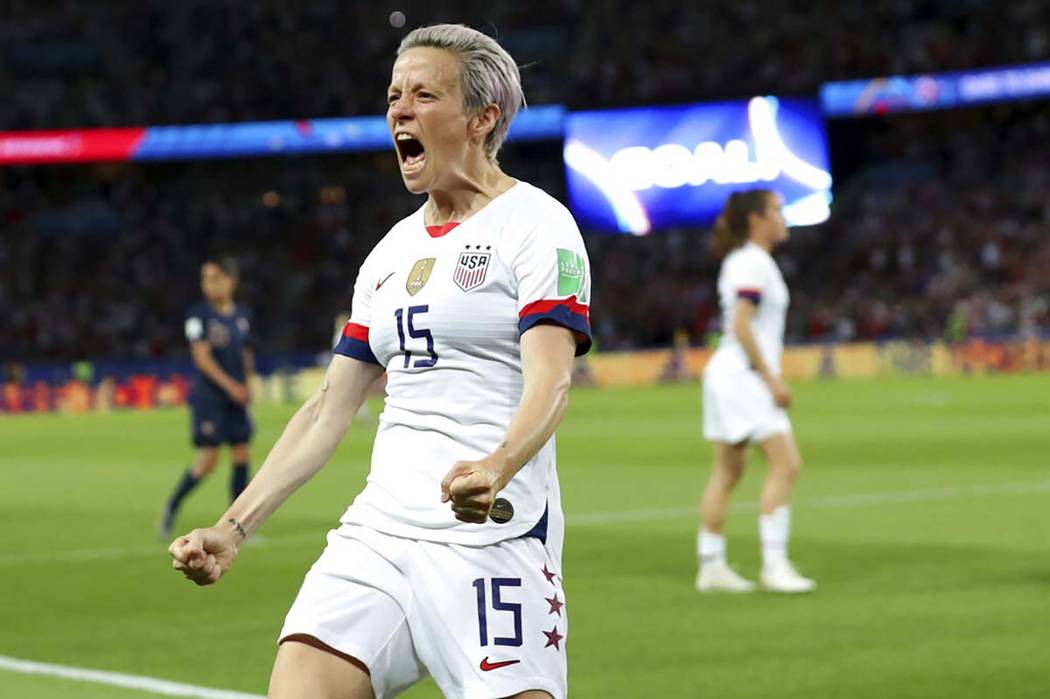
pixel 642 170
pixel 910 93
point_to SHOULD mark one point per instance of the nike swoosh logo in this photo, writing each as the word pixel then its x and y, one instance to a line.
pixel 384 281
pixel 486 666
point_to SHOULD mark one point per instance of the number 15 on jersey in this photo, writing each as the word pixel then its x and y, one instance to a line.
pixel 408 317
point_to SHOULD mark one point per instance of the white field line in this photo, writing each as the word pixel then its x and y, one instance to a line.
pixel 827 502
pixel 590 519
pixel 117 679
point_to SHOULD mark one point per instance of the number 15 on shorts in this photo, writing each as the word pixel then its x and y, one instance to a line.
pixel 490 594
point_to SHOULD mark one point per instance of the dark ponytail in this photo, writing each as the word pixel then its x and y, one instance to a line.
pixel 733 225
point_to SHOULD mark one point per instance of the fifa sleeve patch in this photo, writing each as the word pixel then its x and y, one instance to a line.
pixel 752 295
pixel 354 344
pixel 194 329
pixel 571 274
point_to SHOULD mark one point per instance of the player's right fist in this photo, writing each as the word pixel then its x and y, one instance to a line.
pixel 781 392
pixel 204 555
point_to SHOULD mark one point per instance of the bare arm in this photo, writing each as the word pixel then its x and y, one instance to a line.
pixel 249 365
pixel 308 441
pixel 200 350
pixel 743 313
pixel 547 353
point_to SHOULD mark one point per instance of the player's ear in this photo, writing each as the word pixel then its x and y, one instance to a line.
pixel 483 123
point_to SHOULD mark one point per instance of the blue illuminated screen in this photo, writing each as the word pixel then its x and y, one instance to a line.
pixel 642 170
pixel 908 93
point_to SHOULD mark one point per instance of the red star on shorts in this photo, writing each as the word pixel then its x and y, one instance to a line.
pixel 553 638
pixel 549 575
pixel 555 604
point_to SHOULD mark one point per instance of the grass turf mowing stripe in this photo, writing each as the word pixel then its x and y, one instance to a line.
pixel 117 679
pixel 592 519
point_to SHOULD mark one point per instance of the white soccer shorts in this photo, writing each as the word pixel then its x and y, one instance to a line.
pixel 484 622
pixel 738 406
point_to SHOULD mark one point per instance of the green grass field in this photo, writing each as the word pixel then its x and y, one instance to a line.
pixel 922 512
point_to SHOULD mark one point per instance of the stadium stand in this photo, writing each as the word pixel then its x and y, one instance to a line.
pixel 939 227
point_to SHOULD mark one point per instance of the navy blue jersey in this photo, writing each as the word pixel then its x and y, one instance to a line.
pixel 228 336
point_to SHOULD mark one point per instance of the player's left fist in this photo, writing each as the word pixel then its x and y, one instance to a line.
pixel 471 487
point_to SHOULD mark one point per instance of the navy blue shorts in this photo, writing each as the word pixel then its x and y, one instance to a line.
pixel 220 423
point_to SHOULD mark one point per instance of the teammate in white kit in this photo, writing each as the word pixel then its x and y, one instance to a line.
pixel 448 563
pixel 745 399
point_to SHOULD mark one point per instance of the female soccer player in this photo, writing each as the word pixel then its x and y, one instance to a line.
pixel 745 400
pixel 219 333
pixel 475 305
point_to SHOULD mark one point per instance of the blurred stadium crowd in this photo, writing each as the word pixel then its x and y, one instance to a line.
pixel 72 65
pixel 939 228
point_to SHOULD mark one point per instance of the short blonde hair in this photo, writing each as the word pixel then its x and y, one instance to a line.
pixel 488 74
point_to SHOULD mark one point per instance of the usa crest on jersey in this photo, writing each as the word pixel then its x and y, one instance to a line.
pixel 471 269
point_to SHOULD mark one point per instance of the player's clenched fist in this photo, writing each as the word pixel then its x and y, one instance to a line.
pixel 781 392
pixel 204 555
pixel 471 487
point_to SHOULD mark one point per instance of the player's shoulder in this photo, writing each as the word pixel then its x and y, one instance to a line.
pixel 197 315
pixel 399 235
pixel 748 256
pixel 541 205
pixel 534 217
pixel 748 266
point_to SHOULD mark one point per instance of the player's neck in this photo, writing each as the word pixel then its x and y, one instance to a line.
pixel 470 190
pixel 766 245
pixel 224 307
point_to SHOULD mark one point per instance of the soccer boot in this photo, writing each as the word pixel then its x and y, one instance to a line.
pixel 784 578
pixel 719 577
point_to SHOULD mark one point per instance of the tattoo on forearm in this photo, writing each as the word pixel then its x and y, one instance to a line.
pixel 238 527
pixel 503 444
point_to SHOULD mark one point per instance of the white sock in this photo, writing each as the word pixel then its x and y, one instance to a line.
pixel 773 530
pixel 711 547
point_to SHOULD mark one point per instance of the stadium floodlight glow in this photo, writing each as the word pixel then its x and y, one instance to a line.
pixel 667 166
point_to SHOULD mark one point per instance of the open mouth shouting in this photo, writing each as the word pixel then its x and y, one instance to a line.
pixel 411 152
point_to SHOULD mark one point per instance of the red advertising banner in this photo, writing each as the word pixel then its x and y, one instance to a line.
pixel 82 145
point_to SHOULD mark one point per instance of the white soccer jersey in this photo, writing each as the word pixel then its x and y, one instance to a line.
pixel 750 272
pixel 443 309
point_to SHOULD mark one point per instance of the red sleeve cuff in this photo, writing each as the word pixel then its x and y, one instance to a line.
pixel 752 295
pixel 568 313
pixel 354 343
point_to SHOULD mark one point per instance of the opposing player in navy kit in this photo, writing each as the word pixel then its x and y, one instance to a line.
pixel 448 563
pixel 219 332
